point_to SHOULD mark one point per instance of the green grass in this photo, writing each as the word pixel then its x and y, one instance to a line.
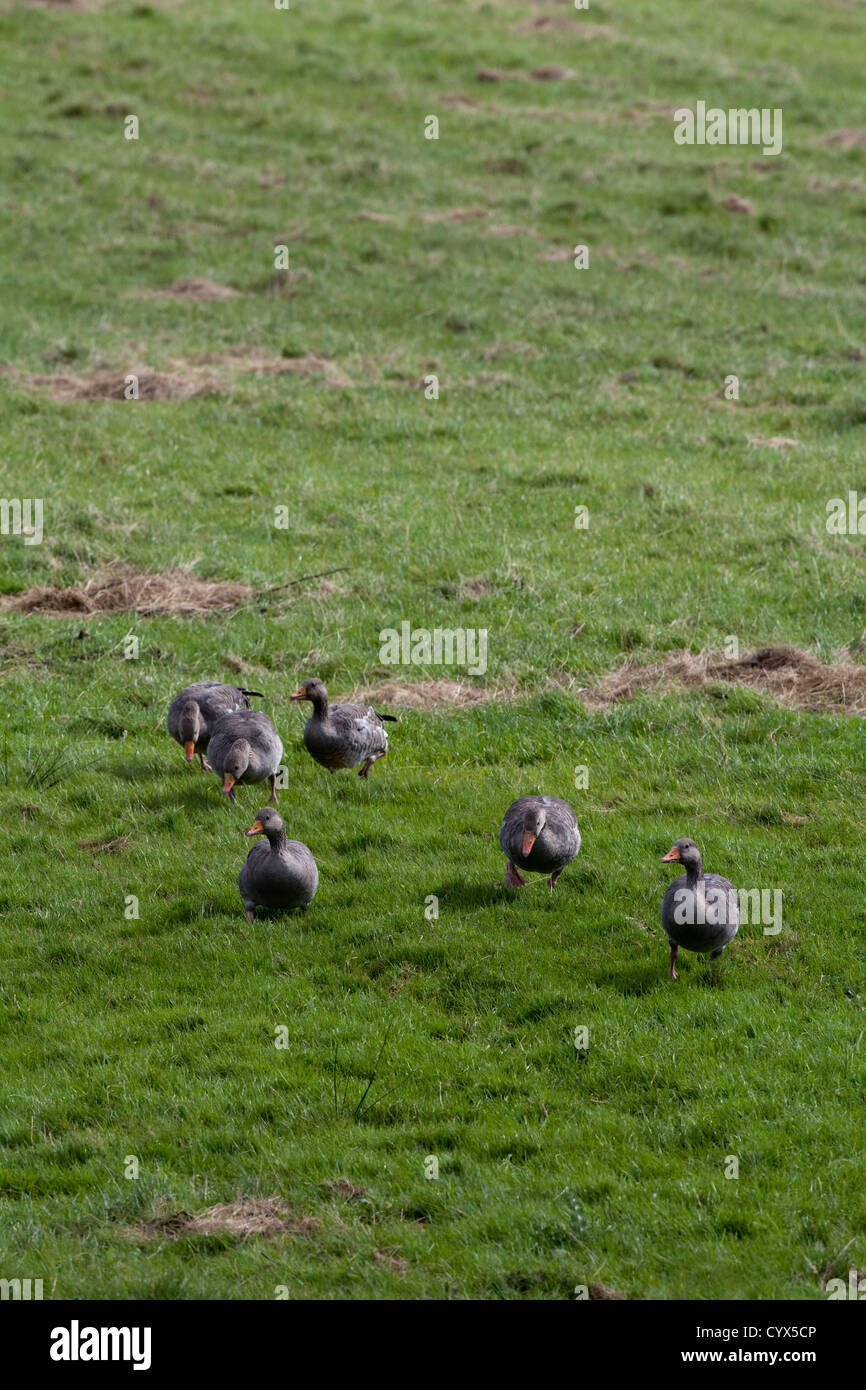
pixel 154 1036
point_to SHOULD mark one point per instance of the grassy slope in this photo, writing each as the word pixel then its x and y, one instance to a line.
pixel 155 1037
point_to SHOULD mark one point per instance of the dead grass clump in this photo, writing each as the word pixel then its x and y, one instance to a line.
pixel 113 386
pixel 508 350
pixel 793 677
pixel 198 288
pixel 389 1259
pixel 426 695
pixel 777 441
pixel 455 215
pixel 122 589
pixel 511 229
pixel 249 1216
pixel 734 203
pixel 208 375
pixel 846 139
pixel 552 72
pixel 345 1188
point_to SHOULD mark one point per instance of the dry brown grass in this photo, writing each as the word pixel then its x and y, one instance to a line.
pixel 389 1259
pixel 345 1188
pixel 776 441
pixel 793 677
pixel 197 288
pixel 426 695
pixel 846 139
pixel 121 589
pixel 250 1216
pixel 112 385
pixel 443 693
pixel 455 215
pixel 209 375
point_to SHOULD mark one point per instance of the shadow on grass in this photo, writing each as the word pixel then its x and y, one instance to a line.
pixel 465 893
pixel 644 977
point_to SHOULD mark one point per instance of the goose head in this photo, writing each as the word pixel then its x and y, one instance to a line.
pixel 267 822
pixel 684 852
pixel 534 821
pixel 314 691
pixel 189 728
pixel 235 764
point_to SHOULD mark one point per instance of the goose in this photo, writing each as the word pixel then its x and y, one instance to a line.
pixel 245 747
pixel 699 911
pixel 281 873
pixel 193 713
pixel 342 736
pixel 539 834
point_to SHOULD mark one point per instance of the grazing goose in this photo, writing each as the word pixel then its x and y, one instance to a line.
pixel 339 736
pixel 540 834
pixel 699 911
pixel 193 713
pixel 281 873
pixel 245 747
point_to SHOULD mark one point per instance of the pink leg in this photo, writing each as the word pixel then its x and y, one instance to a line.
pixel 554 878
pixel 204 764
pixel 273 795
pixel 513 878
pixel 365 770
pixel 674 950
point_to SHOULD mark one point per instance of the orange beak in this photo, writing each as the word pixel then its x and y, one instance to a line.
pixel 299 694
pixel 672 855
pixel 228 783
pixel 255 829
pixel 528 842
pixel 189 750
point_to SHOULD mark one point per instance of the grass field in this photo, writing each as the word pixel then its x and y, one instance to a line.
pixel 409 1038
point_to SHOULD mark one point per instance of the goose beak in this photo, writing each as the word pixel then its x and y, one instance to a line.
pixel 299 694
pixel 528 841
pixel 228 783
pixel 672 855
pixel 255 829
pixel 189 750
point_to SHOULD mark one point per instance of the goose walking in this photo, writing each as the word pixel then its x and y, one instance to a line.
pixel 539 834
pixel 193 713
pixel 342 736
pixel 279 873
pixel 699 911
pixel 245 747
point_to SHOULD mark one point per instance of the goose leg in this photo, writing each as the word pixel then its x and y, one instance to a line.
pixel 251 914
pixel 365 770
pixel 513 877
pixel 553 879
pixel 674 951
pixel 273 795
pixel 204 764
pixel 714 955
